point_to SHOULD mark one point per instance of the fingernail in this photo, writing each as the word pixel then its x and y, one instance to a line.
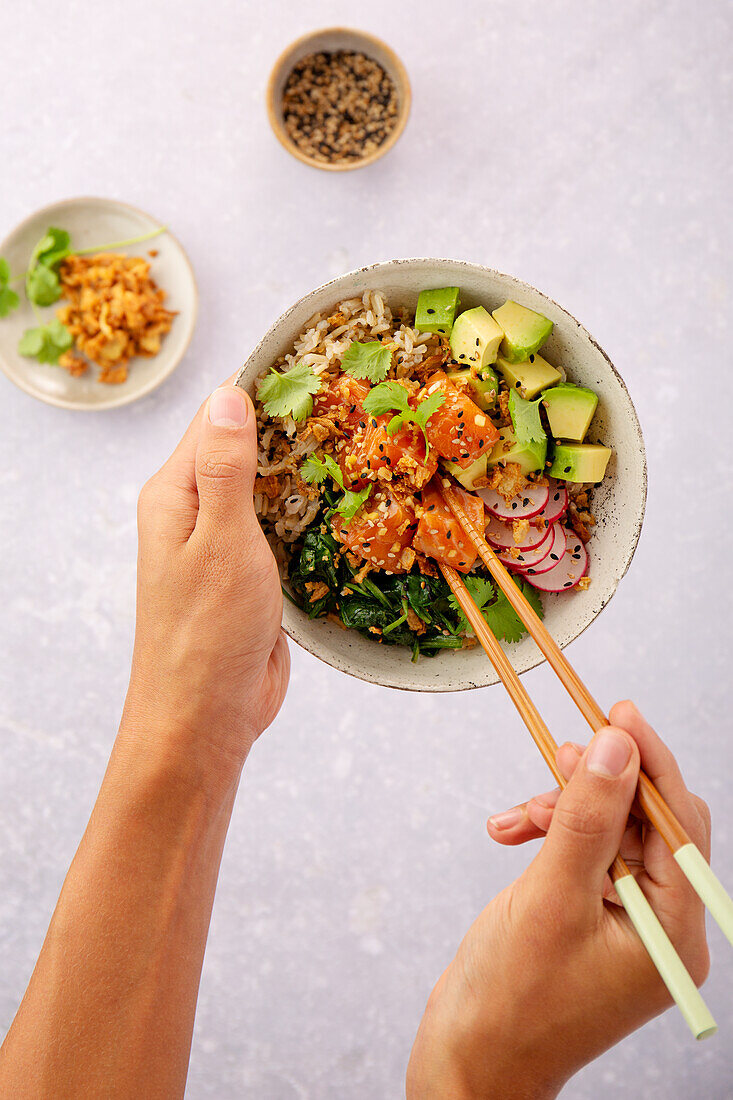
pixel 507 820
pixel 608 755
pixel 228 408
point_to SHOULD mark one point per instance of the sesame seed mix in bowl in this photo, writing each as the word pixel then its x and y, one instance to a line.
pixel 339 106
pixel 370 412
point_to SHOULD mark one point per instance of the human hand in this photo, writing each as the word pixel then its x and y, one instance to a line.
pixel 210 664
pixel 552 972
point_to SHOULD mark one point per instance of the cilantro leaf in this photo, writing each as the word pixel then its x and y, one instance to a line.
pixel 393 395
pixel 426 408
pixel 42 283
pixel 496 609
pixel 315 471
pixel 52 248
pixel 289 394
pixel 503 619
pixel 385 397
pixel 8 298
pixel 526 419
pixel 482 591
pixel 370 360
pixel 45 343
pixel 351 502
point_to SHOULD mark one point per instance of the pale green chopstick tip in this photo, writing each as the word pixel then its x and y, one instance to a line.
pixel 707 885
pixel 671 969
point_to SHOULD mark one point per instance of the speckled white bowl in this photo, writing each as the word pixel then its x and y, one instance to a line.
pixel 618 504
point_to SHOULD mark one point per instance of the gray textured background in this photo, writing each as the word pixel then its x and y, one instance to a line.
pixel 582 147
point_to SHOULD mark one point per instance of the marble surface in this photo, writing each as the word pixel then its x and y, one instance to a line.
pixel 580 146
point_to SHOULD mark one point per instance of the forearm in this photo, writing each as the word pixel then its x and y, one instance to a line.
pixel 110 1006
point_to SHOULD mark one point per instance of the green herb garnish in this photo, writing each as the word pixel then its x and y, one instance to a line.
pixel 370 361
pixel 315 470
pixel 46 343
pixel 289 393
pixel 392 395
pixel 496 609
pixel 526 419
pixel 9 300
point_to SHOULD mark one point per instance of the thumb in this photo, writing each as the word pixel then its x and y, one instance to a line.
pixel 226 456
pixel 591 813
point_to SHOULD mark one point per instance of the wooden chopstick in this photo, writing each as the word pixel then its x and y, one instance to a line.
pixel 671 968
pixel 693 864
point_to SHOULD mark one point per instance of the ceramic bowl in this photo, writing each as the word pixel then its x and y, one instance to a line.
pixel 328 41
pixel 92 221
pixel 618 504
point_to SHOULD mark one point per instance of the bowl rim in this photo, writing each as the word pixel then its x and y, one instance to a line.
pixel 116 401
pixel 287 58
pixel 305 642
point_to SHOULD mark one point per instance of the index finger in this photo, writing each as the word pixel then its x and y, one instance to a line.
pixel 660 765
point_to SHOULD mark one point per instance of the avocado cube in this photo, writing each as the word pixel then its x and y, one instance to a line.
pixel 569 410
pixel 468 478
pixel 475 338
pixel 530 457
pixel 530 377
pixel 436 310
pixel 483 388
pixel 524 330
pixel 580 461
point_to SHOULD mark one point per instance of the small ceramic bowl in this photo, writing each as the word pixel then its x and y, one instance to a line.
pixel 618 504
pixel 328 41
pixel 93 221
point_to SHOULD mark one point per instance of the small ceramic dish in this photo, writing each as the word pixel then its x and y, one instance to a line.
pixel 92 221
pixel 329 41
pixel 618 504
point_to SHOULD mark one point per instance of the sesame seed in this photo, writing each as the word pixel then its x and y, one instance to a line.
pixel 431 311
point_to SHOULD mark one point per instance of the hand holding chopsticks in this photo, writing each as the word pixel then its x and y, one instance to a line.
pixel 687 855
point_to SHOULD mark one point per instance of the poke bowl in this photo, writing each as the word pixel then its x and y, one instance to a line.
pixel 380 385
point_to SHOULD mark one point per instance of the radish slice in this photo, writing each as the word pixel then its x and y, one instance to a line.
pixel 557 504
pixel 524 505
pixel 548 556
pixel 501 536
pixel 572 566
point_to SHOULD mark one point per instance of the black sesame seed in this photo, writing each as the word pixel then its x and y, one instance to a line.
pixel 576 555
pixel 518 385
pixel 566 470
pixel 531 358
pixel 442 330
pixel 448 534
pixel 514 504
pixel 567 584
pixel 525 502
pixel 461 356
pixel 478 342
pixel 431 311
pixel 556 496
pixel 374 423
pixel 532 571
pixel 555 557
